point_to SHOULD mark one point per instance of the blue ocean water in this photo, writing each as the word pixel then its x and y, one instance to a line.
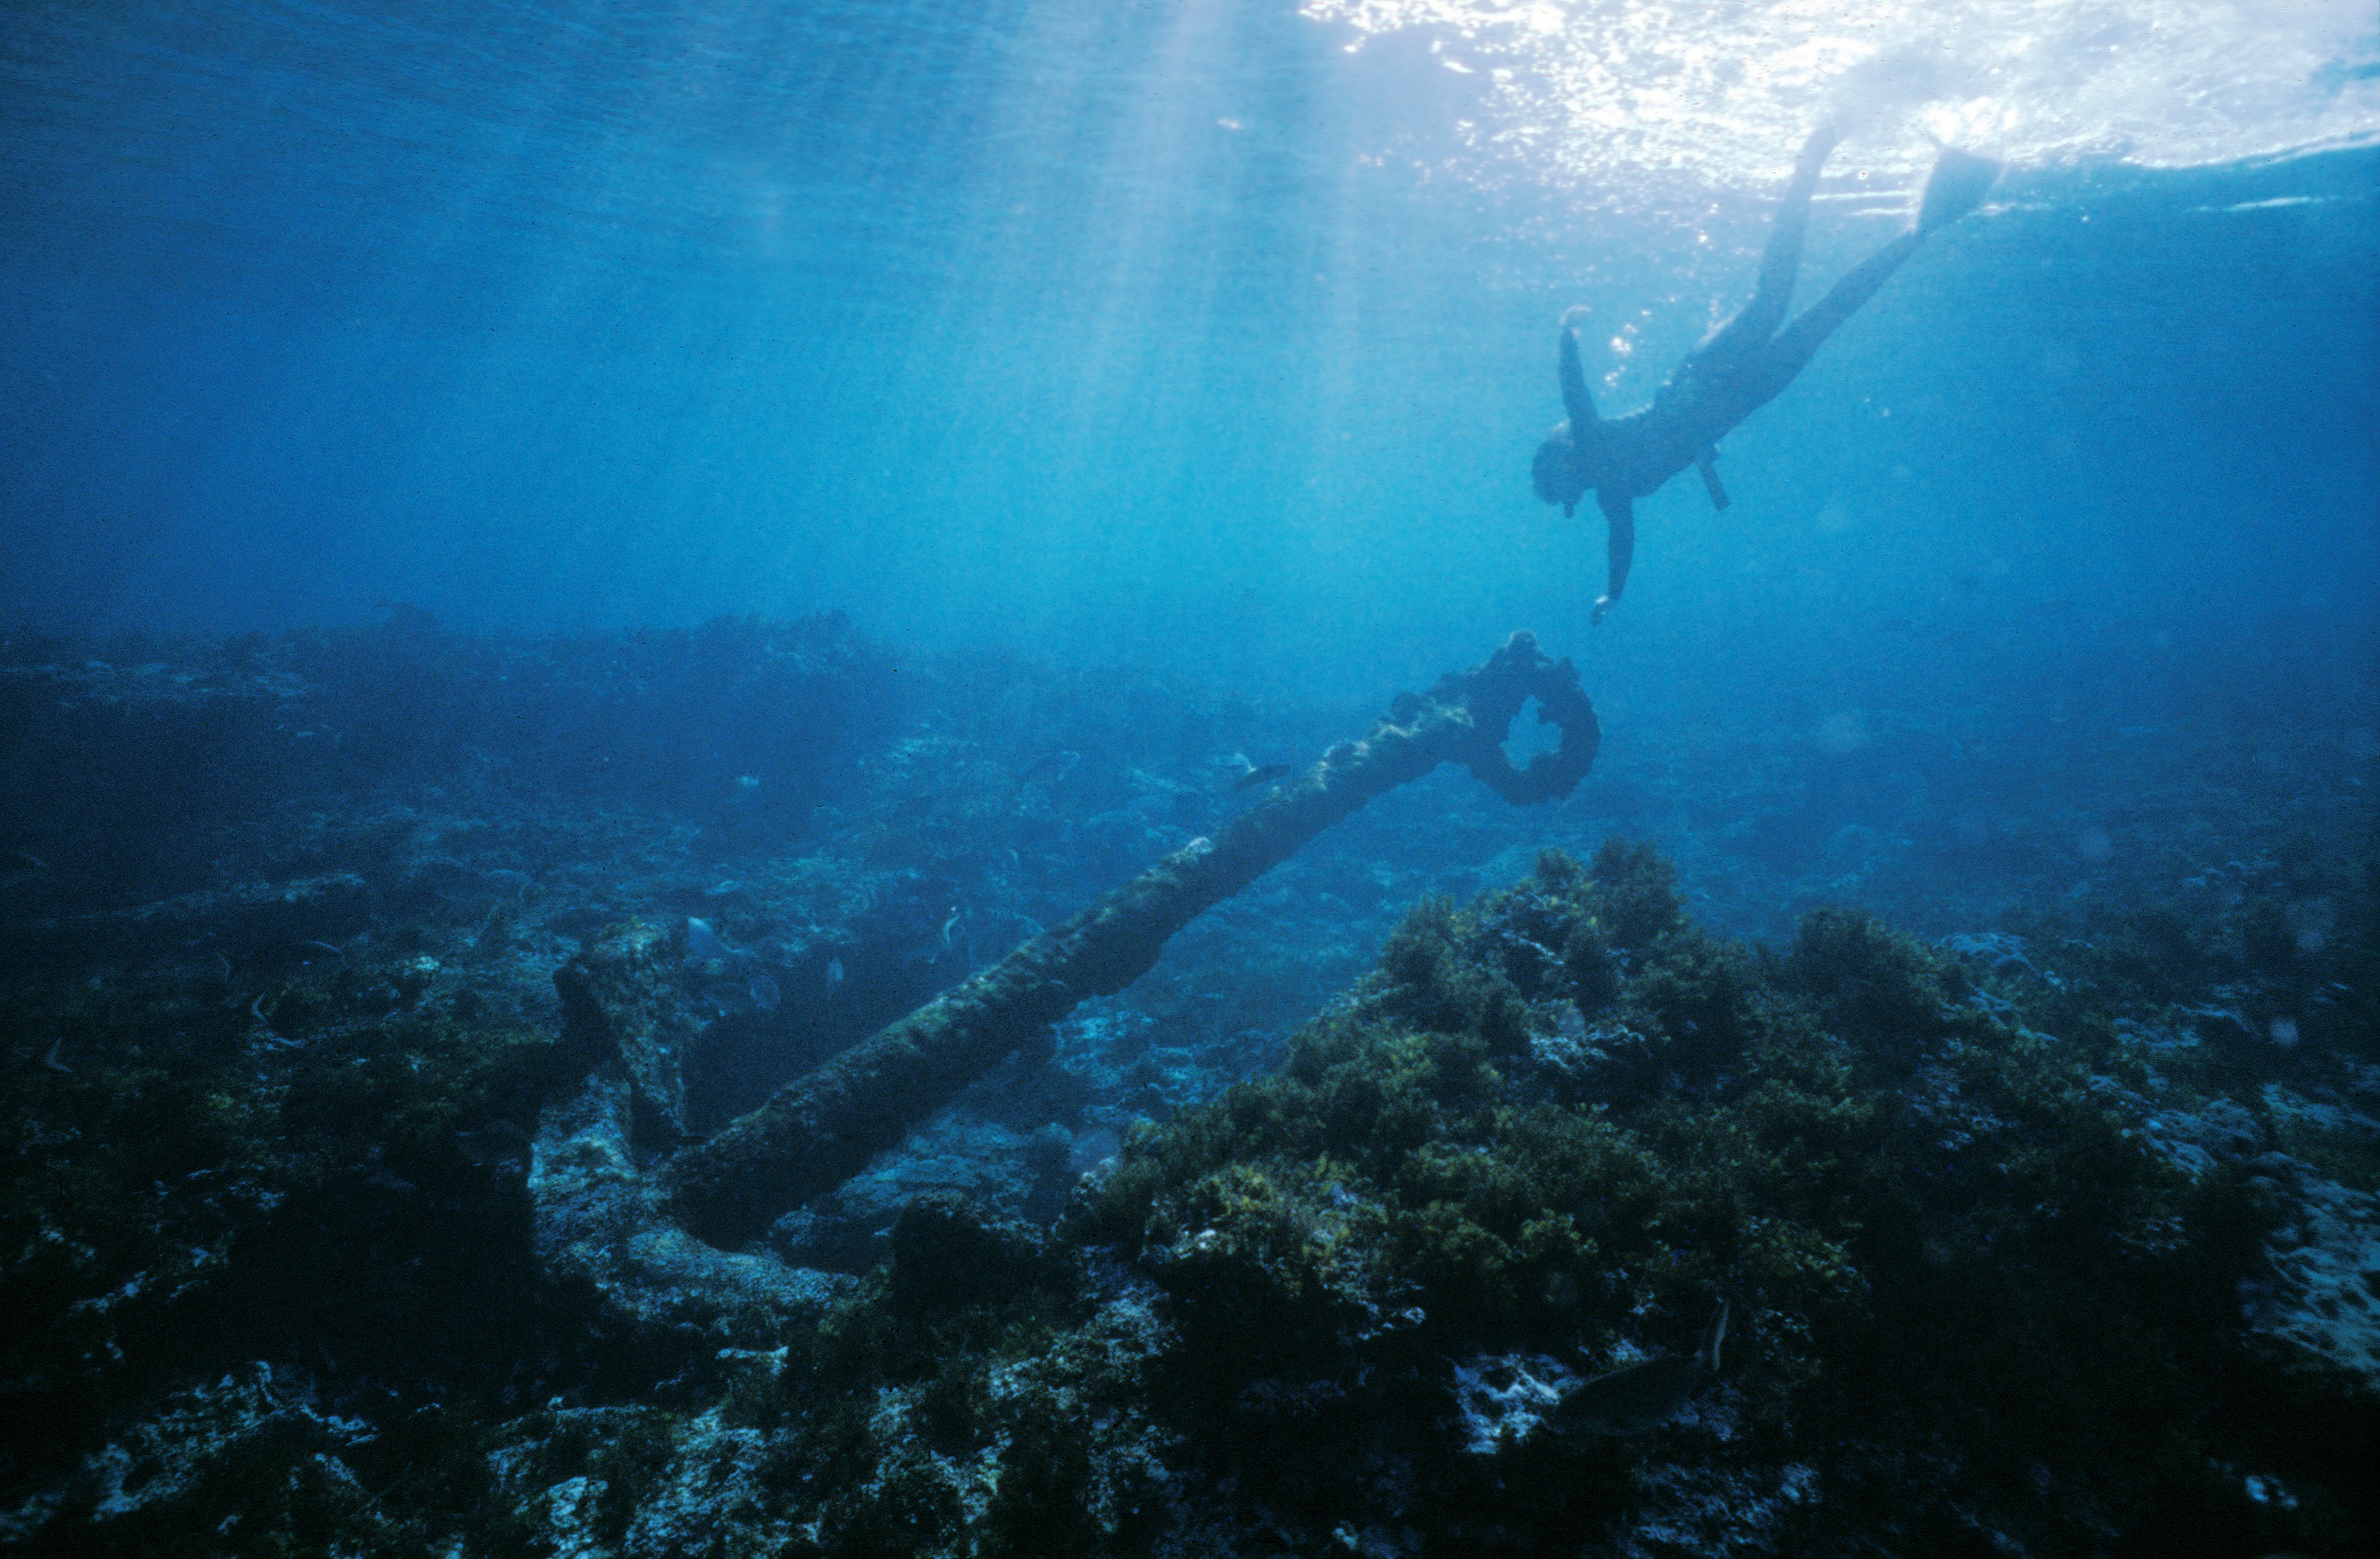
pixel 564 562
pixel 1213 339
pixel 1178 335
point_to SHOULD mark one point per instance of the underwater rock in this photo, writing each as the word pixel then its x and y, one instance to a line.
pixel 2196 1140
pixel 622 1010
pixel 1556 1123
pixel 2323 1291
pixel 156 1478
pixel 1504 1398
pixel 1945 1236
pixel 946 1254
pixel 99 753
pixel 1005 1174
pixel 822 1128
pixel 238 922
pixel 193 737
pixel 1340 1308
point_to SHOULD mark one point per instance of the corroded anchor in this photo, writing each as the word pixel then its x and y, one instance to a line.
pixel 822 1128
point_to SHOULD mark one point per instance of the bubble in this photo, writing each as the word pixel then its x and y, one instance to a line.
pixel 2284 1031
pixel 2095 846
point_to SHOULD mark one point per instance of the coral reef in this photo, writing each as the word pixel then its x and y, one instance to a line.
pixel 329 1222
pixel 1985 1296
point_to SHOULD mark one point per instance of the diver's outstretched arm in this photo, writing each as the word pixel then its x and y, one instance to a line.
pixel 1620 548
pixel 1585 427
pixel 1576 402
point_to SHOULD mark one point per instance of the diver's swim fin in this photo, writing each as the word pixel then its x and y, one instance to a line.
pixel 1957 185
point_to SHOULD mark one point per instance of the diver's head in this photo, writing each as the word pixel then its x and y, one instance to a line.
pixel 1555 471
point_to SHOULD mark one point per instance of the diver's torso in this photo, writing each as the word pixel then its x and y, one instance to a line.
pixel 1690 413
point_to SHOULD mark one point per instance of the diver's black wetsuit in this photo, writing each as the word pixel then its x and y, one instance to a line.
pixel 1738 370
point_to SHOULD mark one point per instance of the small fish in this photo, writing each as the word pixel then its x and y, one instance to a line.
pixel 50 1059
pixel 332 948
pixel 1051 765
pixel 272 1036
pixel 1258 775
pixel 765 991
pixel 833 975
pixel 701 941
pixel 1643 1397
pixel 951 924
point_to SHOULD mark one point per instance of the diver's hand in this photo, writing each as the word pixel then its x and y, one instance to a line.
pixel 1603 603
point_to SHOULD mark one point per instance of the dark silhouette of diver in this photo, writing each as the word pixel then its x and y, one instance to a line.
pixel 1740 369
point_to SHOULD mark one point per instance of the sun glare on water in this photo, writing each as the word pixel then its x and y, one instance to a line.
pixel 1609 89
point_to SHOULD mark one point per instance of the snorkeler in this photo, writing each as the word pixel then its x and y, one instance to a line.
pixel 1740 369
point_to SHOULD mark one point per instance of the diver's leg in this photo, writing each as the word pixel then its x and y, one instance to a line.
pixel 1792 350
pixel 1782 259
pixel 1780 263
pixel 1957 185
pixel 1619 549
